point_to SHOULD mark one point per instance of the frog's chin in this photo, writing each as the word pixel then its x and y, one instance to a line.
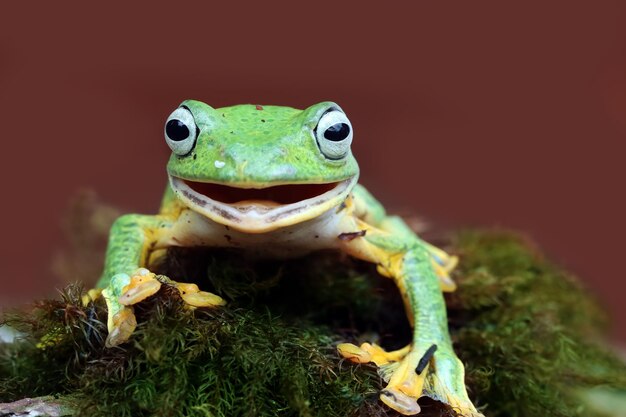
pixel 260 210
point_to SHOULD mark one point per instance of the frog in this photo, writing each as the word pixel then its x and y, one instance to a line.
pixel 281 182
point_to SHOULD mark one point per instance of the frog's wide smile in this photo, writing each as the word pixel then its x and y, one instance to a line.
pixel 258 210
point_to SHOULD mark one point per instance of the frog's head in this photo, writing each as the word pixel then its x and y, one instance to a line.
pixel 259 168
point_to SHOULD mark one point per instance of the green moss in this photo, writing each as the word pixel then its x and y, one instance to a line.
pixel 526 331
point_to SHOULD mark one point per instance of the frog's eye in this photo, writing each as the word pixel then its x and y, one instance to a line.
pixel 334 134
pixel 181 131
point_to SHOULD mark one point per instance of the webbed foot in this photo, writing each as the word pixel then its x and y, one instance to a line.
pixel 413 372
pixel 124 292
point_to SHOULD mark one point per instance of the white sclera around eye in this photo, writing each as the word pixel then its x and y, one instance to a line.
pixel 181 146
pixel 333 149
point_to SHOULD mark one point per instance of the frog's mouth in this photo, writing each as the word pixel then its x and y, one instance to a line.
pixel 258 210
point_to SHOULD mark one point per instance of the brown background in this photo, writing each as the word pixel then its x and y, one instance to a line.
pixel 470 113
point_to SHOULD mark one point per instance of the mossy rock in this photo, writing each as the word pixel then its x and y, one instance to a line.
pixel 529 335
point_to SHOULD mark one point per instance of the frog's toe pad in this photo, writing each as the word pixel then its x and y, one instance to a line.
pixel 370 352
pixel 123 324
pixel 354 353
pixel 141 286
pixel 91 296
pixel 191 294
pixel 399 401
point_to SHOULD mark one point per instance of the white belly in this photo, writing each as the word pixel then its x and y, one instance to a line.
pixel 193 229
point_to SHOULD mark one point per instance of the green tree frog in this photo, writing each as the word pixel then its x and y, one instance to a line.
pixel 282 182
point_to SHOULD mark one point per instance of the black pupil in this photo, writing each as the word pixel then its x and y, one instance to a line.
pixel 337 132
pixel 176 130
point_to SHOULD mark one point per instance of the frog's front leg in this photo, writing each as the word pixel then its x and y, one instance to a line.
pixel 126 281
pixel 371 211
pixel 429 365
pixel 442 262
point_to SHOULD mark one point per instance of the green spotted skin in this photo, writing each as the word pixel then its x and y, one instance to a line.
pixel 416 280
pixel 259 146
pixel 423 294
pixel 422 291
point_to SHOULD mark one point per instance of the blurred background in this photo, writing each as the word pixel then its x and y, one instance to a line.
pixel 466 113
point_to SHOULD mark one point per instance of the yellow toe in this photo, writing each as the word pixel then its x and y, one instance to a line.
pixel 123 325
pixel 140 288
pixel 381 357
pixel 400 402
pixel 354 353
pixel 202 299
pixel 191 294
pixel 92 295
pixel 139 292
